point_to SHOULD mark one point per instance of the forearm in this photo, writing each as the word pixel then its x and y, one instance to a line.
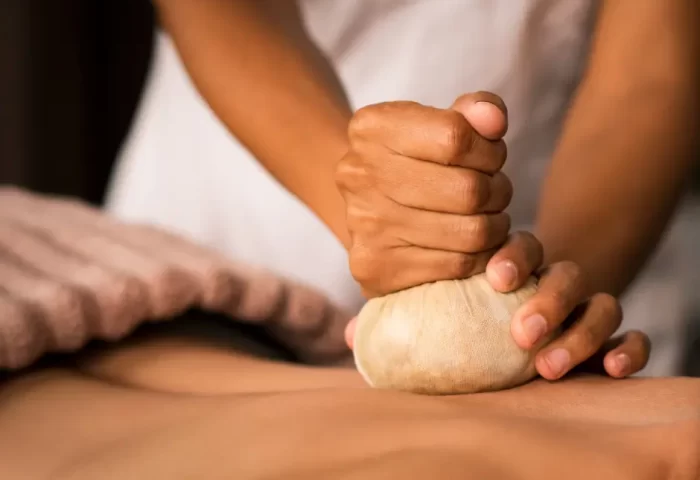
pixel 600 214
pixel 264 78
pixel 627 147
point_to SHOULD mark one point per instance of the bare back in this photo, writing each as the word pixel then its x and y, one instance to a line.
pixel 179 408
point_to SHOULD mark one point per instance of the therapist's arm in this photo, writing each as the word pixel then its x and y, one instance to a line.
pixel 266 80
pixel 629 143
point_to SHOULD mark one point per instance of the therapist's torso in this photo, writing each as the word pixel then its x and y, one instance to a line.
pixel 181 169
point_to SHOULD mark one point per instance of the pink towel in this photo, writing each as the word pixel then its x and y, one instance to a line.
pixel 70 274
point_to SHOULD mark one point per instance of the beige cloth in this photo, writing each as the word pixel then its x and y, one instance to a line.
pixel 70 274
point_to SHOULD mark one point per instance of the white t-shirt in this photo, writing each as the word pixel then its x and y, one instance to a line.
pixel 181 168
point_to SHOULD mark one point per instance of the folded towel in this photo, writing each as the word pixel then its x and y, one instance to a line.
pixel 70 274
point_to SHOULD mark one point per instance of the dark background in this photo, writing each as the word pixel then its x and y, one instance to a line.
pixel 71 73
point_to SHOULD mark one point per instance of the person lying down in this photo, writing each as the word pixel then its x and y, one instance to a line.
pixel 197 395
pixel 174 403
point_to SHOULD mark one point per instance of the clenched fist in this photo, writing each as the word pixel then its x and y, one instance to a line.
pixel 425 195
pixel 425 199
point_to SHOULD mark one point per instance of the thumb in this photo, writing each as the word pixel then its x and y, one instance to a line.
pixel 486 113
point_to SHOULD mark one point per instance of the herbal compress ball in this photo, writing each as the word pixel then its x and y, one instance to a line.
pixel 443 338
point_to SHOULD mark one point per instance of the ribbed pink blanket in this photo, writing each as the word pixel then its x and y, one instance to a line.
pixel 69 274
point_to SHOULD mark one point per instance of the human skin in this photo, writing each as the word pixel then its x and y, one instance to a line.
pixel 629 142
pixel 236 53
pixel 624 155
pixel 180 408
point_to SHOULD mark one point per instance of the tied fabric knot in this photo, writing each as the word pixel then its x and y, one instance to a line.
pixel 69 274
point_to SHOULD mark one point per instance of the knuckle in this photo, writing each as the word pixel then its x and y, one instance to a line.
pixel 342 172
pixel 350 173
pixel 374 117
pixel 501 154
pixel 486 230
pixel 480 231
pixel 570 269
pixel 535 249
pixel 472 230
pixel 573 272
pixel 501 226
pixel 478 226
pixel 609 308
pixel 585 340
pixel 365 119
pixel 454 137
pixel 530 243
pixel 65 299
pixel 461 266
pixel 559 302
pixel 363 265
pixel 364 222
pixel 527 239
pixel 505 188
pixel 472 191
pixel 642 339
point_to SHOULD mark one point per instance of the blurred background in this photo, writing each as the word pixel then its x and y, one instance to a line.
pixel 71 74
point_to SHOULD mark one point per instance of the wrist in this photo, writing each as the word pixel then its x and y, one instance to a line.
pixel 319 190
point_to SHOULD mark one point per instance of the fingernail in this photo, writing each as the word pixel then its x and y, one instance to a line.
pixel 507 272
pixel 487 119
pixel 623 363
pixel 534 328
pixel 486 107
pixel 558 361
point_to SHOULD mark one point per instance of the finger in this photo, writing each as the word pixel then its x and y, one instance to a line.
pixel 515 262
pixel 454 233
pixel 486 113
pixel 418 266
pixel 620 356
pixel 600 319
pixel 627 355
pixel 409 129
pixel 350 332
pixel 559 291
pixel 500 194
pixel 488 116
pixel 440 188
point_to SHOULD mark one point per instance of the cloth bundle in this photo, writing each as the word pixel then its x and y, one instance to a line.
pixel 70 274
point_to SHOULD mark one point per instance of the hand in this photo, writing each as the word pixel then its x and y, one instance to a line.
pixel 425 196
pixel 586 324
pixel 424 191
